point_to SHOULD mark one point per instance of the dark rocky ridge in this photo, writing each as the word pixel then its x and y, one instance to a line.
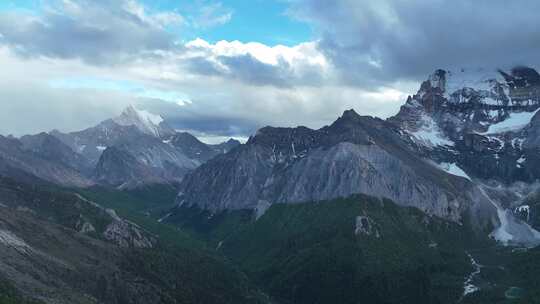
pixel 51 148
pixel 193 148
pixel 356 154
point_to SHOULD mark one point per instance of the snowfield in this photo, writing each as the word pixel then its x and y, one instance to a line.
pixel 515 122
pixel 430 134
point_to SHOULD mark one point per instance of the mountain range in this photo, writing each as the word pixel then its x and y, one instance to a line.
pixel 436 204
pixel 464 146
pixel 133 149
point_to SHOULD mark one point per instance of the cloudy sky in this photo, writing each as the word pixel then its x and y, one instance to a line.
pixel 226 68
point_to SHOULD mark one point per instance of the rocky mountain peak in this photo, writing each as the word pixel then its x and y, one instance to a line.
pixel 521 77
pixel 483 121
pixel 437 80
pixel 520 86
pixel 146 122
pixel 350 115
pixel 351 119
pixel 471 100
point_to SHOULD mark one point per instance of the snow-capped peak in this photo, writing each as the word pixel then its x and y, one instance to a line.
pixel 477 79
pixel 147 116
pixel 455 85
pixel 143 120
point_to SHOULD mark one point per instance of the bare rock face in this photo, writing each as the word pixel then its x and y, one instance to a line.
pixel 83 226
pixel 353 155
pixel 127 235
pixel 346 169
pixel 52 149
pixel 143 161
pixel 193 148
pixel 366 226
pixel 16 159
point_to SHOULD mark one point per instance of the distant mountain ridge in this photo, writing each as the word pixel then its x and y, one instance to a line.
pixel 133 149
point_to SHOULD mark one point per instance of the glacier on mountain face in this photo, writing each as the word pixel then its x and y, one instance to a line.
pixel 515 122
pixel 430 134
pixel 478 79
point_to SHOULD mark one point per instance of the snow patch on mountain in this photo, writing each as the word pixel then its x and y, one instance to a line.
pixel 511 230
pixel 478 79
pixel 520 161
pixel 149 117
pixel 515 122
pixel 453 169
pixel 9 239
pixel 524 209
pixel 468 286
pixel 517 143
pixel 429 133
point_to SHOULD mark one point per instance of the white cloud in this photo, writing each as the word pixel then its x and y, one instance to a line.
pixel 97 31
pixel 224 88
pixel 159 19
pixel 212 105
pixel 211 15
pixel 304 52
pixel 260 64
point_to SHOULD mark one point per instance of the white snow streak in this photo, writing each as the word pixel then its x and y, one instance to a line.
pixel 511 230
pixel 468 286
pixel 453 169
pixel 9 239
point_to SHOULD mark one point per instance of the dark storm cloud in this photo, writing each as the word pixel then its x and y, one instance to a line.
pixel 96 31
pixel 203 66
pixel 253 71
pixel 375 42
pixel 248 69
pixel 245 68
pixel 197 117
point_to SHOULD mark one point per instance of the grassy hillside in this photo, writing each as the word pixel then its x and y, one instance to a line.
pixel 144 207
pixel 66 266
pixel 10 295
